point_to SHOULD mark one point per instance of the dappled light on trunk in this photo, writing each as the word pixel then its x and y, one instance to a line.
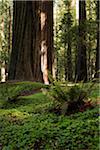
pixel 46 39
pixel 3 72
pixel 44 62
pixel 44 47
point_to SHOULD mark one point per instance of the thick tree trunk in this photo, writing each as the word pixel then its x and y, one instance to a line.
pixel 37 73
pixel 81 56
pixel 24 61
pixel 32 45
pixel 25 58
pixel 97 65
pixel 46 38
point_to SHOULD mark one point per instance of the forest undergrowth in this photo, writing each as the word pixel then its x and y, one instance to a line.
pixel 29 122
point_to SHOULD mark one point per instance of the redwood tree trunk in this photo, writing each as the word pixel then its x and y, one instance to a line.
pixel 69 50
pixel 32 41
pixel 46 38
pixel 9 31
pixel 36 68
pixel 97 75
pixel 68 46
pixel 81 56
pixel 25 58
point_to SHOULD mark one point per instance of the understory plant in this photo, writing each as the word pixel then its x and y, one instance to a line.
pixel 70 98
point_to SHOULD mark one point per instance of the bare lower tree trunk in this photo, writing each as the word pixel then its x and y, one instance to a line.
pixel 9 32
pixel 25 58
pixel 46 38
pixel 37 73
pixel 81 56
pixel 90 44
pixel 32 40
pixel 69 51
pixel 3 72
pixel 23 66
pixel 97 65
pixel 68 54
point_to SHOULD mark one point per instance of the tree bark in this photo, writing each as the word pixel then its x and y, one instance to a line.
pixel 37 73
pixel 46 38
pixel 97 65
pixel 25 57
pixel 32 46
pixel 9 32
pixel 69 53
pixel 81 56
pixel 89 67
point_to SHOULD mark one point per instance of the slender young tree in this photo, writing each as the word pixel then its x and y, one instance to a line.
pixel 81 73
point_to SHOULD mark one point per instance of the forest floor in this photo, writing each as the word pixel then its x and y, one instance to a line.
pixel 26 122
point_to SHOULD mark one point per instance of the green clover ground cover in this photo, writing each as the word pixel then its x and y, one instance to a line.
pixel 27 124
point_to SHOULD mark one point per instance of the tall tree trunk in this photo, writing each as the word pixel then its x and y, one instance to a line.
pixel 69 54
pixel 81 56
pixel 65 56
pixel 97 65
pixel 3 70
pixel 9 31
pixel 9 36
pixel 37 73
pixel 20 65
pixel 69 60
pixel 77 37
pixel 32 41
pixel 57 65
pixel 46 38
pixel 25 58
pixel 89 75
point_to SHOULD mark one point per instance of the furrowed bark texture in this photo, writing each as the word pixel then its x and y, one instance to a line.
pixel 81 56
pixel 46 38
pixel 25 56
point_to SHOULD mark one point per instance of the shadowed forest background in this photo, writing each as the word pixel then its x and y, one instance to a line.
pixel 49 74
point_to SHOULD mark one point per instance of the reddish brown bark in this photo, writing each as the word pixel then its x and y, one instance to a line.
pixel 25 57
pixel 32 46
pixel 81 56
pixel 46 38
